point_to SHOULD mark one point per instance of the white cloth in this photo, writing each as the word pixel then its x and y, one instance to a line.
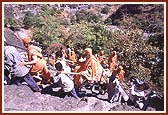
pixel 137 93
pixel 12 59
pixel 66 82
pixel 66 68
pixel 123 93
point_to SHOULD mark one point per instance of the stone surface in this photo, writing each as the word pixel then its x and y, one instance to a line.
pixel 22 98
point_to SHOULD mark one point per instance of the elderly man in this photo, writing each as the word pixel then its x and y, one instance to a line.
pixel 18 73
pixel 91 69
pixel 35 59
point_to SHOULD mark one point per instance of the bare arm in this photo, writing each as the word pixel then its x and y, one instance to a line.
pixel 34 61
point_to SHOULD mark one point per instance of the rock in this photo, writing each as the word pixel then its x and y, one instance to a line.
pixel 22 98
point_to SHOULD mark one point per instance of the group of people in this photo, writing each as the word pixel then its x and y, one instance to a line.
pixel 69 72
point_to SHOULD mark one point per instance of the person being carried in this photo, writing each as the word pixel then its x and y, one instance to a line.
pixel 116 84
pixel 65 81
pixel 18 73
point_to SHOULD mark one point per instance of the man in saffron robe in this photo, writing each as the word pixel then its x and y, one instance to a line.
pixel 91 69
pixel 101 57
pixel 112 61
pixel 72 55
pixel 35 59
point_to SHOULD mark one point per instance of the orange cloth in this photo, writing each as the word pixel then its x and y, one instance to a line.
pixel 52 62
pixel 78 69
pixel 26 40
pixel 72 56
pixel 92 69
pixel 112 62
pixel 88 51
pixel 119 73
pixel 45 72
pixel 40 66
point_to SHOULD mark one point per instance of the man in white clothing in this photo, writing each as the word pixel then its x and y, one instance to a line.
pixel 61 59
pixel 65 81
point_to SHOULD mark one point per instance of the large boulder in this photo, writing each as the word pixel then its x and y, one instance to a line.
pixel 22 98
pixel 11 39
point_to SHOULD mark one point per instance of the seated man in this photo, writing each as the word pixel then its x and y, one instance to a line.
pixel 65 81
pixel 18 73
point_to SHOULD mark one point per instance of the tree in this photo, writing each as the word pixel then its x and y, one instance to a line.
pixel 138 57
pixel 12 22
pixel 83 15
pixel 108 21
pixel 45 26
pixel 30 20
pixel 105 10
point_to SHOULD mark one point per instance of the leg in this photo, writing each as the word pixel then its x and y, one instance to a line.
pixel 111 90
pixel 16 80
pixel 61 93
pixel 30 81
pixel 74 94
pixel 7 80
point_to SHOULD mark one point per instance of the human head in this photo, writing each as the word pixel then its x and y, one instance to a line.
pixel 101 52
pixel 63 50
pixel 113 53
pixel 52 56
pixel 59 54
pixel 120 68
pixel 72 49
pixel 58 67
pixel 88 52
pixel 26 41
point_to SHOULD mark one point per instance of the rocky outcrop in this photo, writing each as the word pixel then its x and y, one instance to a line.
pixel 12 40
pixel 22 98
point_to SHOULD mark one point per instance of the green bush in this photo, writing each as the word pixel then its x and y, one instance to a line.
pixel 105 10
pixel 12 22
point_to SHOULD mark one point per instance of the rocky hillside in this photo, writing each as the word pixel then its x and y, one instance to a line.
pixel 147 17
pixel 21 98
pixel 151 13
